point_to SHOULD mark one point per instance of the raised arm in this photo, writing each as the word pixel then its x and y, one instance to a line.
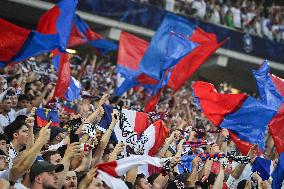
pixel 220 178
pixel 192 178
pixel 105 139
pixel 98 113
pixel 168 141
pixel 73 150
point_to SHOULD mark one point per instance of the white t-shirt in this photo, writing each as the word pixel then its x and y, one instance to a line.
pixel 10 117
pixel 236 17
pixel 170 5
pixel 200 7
pixel 224 9
pixel 232 182
pixel 215 17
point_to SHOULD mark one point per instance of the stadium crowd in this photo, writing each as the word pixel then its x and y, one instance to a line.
pixel 36 158
pixel 248 16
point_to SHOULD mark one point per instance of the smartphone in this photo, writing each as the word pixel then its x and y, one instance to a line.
pixel 73 137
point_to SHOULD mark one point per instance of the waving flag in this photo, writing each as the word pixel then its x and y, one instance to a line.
pixel 81 33
pixel 263 166
pixel 270 87
pixel 135 131
pixel 156 134
pixel 74 90
pixel 67 88
pixel 18 44
pixel 169 44
pixel 177 75
pixel 135 122
pixel 190 63
pixel 174 68
pixel 62 66
pixel 243 115
pixel 108 171
pixel 58 20
pixel 69 106
pixel 43 116
pixel 271 91
pixel 130 53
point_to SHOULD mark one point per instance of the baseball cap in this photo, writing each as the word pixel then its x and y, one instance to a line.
pixel 44 166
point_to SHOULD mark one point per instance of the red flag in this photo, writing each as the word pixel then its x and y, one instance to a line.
pixel 191 62
pixel 276 129
pixel 63 75
pixel 12 39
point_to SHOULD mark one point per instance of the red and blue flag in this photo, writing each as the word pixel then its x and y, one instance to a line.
pixel 245 117
pixel 134 68
pixel 271 92
pixel 18 44
pixel 208 44
pixel 130 53
pixel 43 116
pixel 69 106
pixel 169 44
pixel 81 33
pixel 67 87
pixel 151 61
pixel 59 20
pixel 135 122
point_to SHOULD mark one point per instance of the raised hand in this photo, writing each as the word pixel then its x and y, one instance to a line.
pixel 73 150
pixel 103 99
pixel 101 111
pixel 85 183
pixel 253 153
pixel 195 162
pixel 225 133
pixel 117 150
pixel 44 133
pixel 30 121
pixel 180 145
pixel 174 136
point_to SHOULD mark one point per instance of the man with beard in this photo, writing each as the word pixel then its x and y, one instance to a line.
pixel 70 181
pixel 43 175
